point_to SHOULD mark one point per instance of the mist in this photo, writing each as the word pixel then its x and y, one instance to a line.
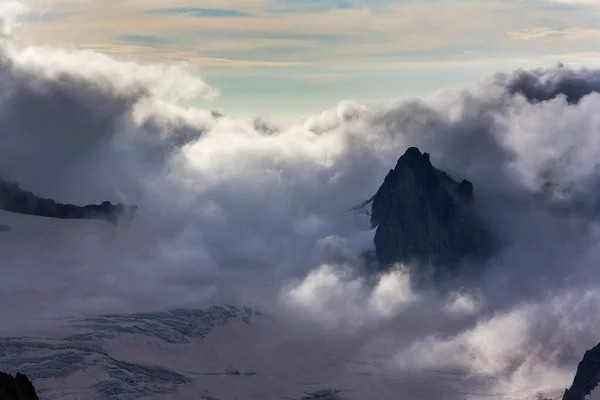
pixel 230 211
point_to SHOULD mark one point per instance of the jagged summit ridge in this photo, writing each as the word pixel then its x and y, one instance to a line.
pixel 14 199
pixel 587 376
pixel 422 215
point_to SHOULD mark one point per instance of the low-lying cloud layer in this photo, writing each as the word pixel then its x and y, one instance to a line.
pixel 232 210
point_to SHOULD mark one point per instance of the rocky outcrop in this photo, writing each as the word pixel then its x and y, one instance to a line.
pixel 587 376
pixel 325 394
pixel 423 215
pixel 17 200
pixel 18 387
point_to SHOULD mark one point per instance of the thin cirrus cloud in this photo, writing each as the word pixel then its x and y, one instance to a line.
pixel 201 12
pixel 143 39
pixel 271 53
pixel 350 38
pixel 311 6
pixel 364 32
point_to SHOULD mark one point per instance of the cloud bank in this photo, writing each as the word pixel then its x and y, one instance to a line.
pixel 242 211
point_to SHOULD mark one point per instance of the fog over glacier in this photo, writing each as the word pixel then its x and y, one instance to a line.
pixel 229 212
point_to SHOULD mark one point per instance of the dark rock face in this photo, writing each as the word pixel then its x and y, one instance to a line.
pixel 16 388
pixel 423 215
pixel 587 376
pixel 325 394
pixel 17 200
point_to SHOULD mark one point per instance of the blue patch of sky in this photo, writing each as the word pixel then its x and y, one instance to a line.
pixel 267 53
pixel 546 4
pixel 345 37
pixel 225 34
pixel 142 39
pixel 297 36
pixel 443 53
pixel 292 92
pixel 296 53
pixel 201 12
pixel 316 6
pixel 311 6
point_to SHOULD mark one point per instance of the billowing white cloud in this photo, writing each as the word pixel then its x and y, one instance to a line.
pixel 338 298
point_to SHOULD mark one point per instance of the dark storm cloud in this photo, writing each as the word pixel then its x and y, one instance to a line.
pixel 56 124
pixel 60 128
pixel 546 84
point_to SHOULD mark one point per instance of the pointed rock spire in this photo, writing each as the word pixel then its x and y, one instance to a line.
pixel 423 215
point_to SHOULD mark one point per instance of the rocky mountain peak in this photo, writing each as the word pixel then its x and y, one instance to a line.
pixel 18 387
pixel 587 376
pixel 422 214
pixel 414 156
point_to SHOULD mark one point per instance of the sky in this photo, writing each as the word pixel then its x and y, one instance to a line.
pixel 285 59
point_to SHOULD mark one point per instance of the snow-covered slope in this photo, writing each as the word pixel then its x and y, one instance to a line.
pixel 71 349
pixel 216 352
